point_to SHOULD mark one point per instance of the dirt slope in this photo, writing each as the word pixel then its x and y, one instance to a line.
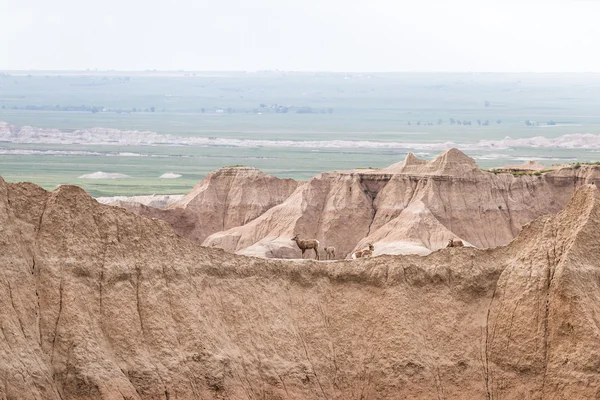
pixel 412 207
pixel 226 198
pixel 99 303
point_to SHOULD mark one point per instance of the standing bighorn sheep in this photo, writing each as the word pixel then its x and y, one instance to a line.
pixel 329 253
pixel 364 253
pixel 307 244
pixel 455 243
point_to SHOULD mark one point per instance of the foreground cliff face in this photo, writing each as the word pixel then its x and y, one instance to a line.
pixel 99 303
pixel 413 207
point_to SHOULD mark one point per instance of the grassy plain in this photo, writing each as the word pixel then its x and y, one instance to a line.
pixel 374 107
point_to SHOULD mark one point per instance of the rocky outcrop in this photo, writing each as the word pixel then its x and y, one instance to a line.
pixel 226 198
pixel 99 303
pixel 412 207
pixel 332 207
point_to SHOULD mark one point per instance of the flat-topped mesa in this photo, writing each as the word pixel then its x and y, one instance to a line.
pixel 233 170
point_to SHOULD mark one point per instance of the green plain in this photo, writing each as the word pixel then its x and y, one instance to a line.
pixel 372 107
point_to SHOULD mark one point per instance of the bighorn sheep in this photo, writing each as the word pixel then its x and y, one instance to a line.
pixel 307 244
pixel 455 243
pixel 329 253
pixel 364 253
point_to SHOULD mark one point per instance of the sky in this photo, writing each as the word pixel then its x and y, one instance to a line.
pixel 306 35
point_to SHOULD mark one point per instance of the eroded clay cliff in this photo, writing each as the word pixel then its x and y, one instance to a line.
pixel 412 207
pixel 100 303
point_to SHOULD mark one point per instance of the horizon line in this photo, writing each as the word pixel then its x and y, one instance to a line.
pixel 97 70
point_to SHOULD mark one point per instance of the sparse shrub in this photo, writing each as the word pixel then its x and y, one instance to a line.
pixel 589 163
pixel 577 165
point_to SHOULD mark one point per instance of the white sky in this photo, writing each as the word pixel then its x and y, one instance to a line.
pixel 324 35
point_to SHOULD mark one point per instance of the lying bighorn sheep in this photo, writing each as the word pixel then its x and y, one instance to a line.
pixel 329 253
pixel 455 243
pixel 364 253
pixel 307 244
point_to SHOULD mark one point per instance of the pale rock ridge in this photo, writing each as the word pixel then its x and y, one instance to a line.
pixel 108 136
pixel 452 162
pixel 98 303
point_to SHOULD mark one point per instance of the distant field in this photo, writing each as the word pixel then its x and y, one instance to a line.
pixel 406 108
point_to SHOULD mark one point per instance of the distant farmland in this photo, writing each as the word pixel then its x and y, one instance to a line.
pixel 422 110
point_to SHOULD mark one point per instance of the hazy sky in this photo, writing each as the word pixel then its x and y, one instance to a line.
pixel 325 35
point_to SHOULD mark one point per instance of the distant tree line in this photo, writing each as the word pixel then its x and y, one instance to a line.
pixel 92 109
pixel 277 108
pixel 453 121
pixel 263 108
pixel 536 123
pixel 479 122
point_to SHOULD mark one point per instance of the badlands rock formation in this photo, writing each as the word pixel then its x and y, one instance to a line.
pixel 226 198
pixel 100 303
pixel 412 207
